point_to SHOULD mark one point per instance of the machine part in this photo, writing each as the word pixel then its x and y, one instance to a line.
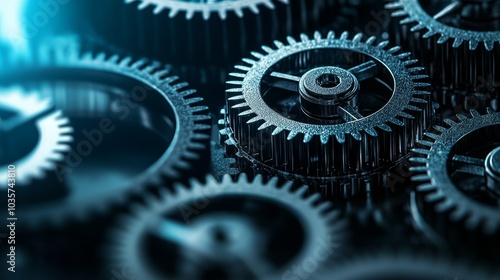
pixel 33 135
pixel 405 265
pixel 208 35
pixel 226 230
pixel 459 40
pixel 459 197
pixel 135 128
pixel 335 113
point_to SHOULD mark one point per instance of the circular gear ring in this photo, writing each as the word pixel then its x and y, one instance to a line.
pixel 461 53
pixel 52 141
pixel 116 95
pixel 196 212
pixel 207 34
pixel 457 177
pixel 338 132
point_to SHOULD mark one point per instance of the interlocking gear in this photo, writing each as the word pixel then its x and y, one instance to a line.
pixel 137 127
pixel 459 163
pixel 226 230
pixel 335 112
pixel 34 136
pixel 459 40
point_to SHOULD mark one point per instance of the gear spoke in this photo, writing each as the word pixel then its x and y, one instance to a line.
pixel 364 71
pixel 452 7
pixel 471 169
pixel 469 160
pixel 284 81
pixel 348 113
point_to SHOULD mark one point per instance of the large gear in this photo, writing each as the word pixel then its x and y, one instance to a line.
pixel 232 226
pixel 208 35
pixel 458 165
pixel 459 40
pixel 108 100
pixel 332 112
pixel 33 136
pixel 405 264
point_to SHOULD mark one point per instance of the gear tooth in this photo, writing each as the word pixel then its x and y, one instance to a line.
pixel 238 83
pixel 277 131
pixel 429 34
pixel 236 97
pixel 434 197
pixel 473 44
pixel 462 117
pixel 158 9
pixel 394 49
pixel 371 40
pixel 173 12
pixel 421 92
pixel 249 61
pixel 304 38
pixel 257 55
pixel 313 198
pixel 397 122
pixel 273 181
pixel 226 179
pixel 474 113
pixel 139 63
pixel 187 92
pixel 307 137
pixel 458 42
pixel 189 14
pixel 393 5
pixel 421 151
pixel 267 49
pixel 357 38
pixel 418 160
pixel 254 119
pixel 243 178
pixel 324 138
pixel 383 44
pixel 418 168
pixel 406 21
pixel 442 39
pixel 420 178
pixel 291 41
pixel 240 105
pixel 237 75
pixel 264 126
pixel 399 13
pixel 239 12
pixel 417 27
pixel 371 131
pixel 254 9
pixel 489 45
pixel 490 110
pixel 418 100
pixel 288 186
pixel 317 35
pixel 340 138
pixel 419 77
pixel 356 135
pixel 278 44
pixel 431 135
pixel 330 35
pixel 291 135
pixel 222 14
pixel 301 191
pixel 259 179
pixel 143 5
pixel 270 4
pixel 344 35
pixel 448 122
pixel 324 206
pixel 426 188
pixel 457 214
pixel 245 113
pixel 410 62
pixel 424 143
pixel 406 115
pixel 472 222
pixel 444 206
pixel 385 127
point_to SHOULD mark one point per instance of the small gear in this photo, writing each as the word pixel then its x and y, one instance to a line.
pixel 336 111
pixel 458 165
pixel 33 136
pixel 403 264
pixel 226 230
pixel 459 40
pixel 135 128
pixel 207 34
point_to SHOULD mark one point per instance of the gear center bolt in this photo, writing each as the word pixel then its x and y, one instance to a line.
pixel 492 170
pixel 322 90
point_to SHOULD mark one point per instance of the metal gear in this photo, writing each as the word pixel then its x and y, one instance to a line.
pixel 208 35
pixel 108 99
pixel 405 265
pixel 459 185
pixel 459 40
pixel 231 226
pixel 358 110
pixel 33 136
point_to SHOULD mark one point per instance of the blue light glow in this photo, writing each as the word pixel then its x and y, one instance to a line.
pixel 12 31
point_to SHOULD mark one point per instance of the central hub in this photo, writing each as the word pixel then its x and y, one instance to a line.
pixel 492 170
pixel 323 89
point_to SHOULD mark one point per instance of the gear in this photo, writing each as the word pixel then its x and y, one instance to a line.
pixel 225 230
pixel 136 128
pixel 208 35
pixel 33 136
pixel 331 110
pixel 460 186
pixel 459 40
pixel 405 265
